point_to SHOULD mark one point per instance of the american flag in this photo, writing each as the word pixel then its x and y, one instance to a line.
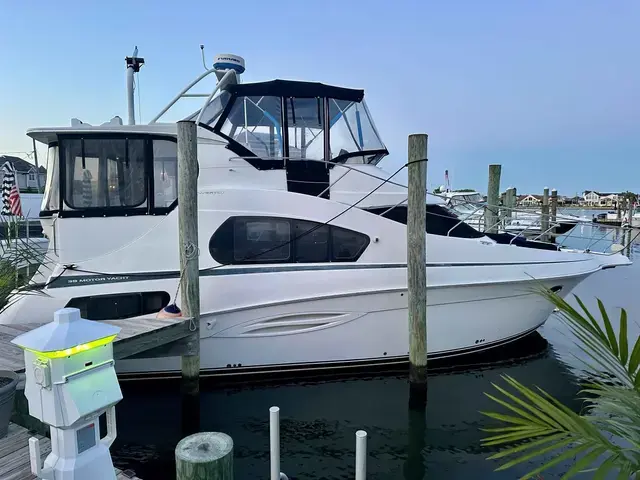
pixel 10 192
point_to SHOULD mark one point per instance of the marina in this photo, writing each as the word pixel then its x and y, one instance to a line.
pixel 218 267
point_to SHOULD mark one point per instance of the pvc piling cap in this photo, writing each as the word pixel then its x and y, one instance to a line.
pixel 67 330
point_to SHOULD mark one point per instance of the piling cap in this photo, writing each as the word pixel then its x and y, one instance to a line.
pixel 67 330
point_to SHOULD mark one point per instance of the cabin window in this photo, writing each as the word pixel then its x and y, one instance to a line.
pixel 311 242
pixel 103 173
pixel 347 245
pixel 261 240
pixel 120 306
pixel 165 173
pixel 254 240
pixel 254 122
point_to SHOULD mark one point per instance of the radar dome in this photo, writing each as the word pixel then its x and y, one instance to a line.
pixel 227 61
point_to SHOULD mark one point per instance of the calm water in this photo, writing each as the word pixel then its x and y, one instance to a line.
pixel 319 419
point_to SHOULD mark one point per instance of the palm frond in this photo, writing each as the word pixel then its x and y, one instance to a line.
pixel 549 427
pixel 606 437
pixel 603 347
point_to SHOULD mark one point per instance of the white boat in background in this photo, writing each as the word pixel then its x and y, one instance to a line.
pixel 470 207
pixel 293 276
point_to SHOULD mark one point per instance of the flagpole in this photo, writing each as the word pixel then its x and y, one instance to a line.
pixel 35 158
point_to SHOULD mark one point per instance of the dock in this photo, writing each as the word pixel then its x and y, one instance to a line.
pixel 14 455
pixel 137 336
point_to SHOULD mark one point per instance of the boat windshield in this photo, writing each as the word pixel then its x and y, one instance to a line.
pixel 470 200
pixel 290 120
pixel 213 109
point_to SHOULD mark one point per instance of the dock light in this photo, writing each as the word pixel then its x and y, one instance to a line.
pixel 70 382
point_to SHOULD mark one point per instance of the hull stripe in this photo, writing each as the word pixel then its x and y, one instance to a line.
pixel 98 279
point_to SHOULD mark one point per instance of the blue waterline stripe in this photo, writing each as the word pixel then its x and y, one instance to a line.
pixel 96 279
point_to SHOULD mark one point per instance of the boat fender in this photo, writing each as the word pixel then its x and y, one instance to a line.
pixel 170 311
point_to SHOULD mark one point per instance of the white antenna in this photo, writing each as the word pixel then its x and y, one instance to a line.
pixel 133 66
pixel 203 60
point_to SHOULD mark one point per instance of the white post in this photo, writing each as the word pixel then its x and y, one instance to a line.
pixel 274 442
pixel 361 455
pixel 130 97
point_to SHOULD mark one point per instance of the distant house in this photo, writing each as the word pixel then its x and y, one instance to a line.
pixel 529 200
pixel 600 199
pixel 25 172
pixel 577 200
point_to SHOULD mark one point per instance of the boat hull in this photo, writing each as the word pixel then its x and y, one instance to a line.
pixel 356 330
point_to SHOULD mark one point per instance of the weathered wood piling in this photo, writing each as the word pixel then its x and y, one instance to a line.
pixel 554 209
pixel 417 267
pixel 190 270
pixel 205 456
pixel 493 199
pixel 509 203
pixel 544 218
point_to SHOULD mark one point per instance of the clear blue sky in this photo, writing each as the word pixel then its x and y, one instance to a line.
pixel 550 89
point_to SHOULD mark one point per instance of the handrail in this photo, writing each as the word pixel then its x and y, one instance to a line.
pixel 182 94
pixel 502 219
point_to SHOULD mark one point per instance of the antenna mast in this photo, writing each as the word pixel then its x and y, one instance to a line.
pixel 133 66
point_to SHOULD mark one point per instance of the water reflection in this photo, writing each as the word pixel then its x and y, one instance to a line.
pixel 319 421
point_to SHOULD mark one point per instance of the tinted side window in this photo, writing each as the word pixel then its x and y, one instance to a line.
pixel 439 221
pixel 261 240
pixel 251 240
pixel 347 245
pixel 312 247
pixel 114 307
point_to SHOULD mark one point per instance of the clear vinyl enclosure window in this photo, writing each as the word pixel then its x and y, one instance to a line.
pixel 51 197
pixel 111 175
pixel 102 173
pixel 254 122
pixel 165 173
pixel 305 125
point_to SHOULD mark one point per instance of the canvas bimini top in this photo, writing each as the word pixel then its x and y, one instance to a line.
pixel 293 120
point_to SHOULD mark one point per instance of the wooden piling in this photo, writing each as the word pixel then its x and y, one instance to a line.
pixel 544 218
pixel 189 268
pixel 509 203
pixel 493 199
pixel 554 208
pixel 417 267
pixel 205 456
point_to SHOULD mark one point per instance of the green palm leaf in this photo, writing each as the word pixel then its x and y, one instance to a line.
pixel 609 429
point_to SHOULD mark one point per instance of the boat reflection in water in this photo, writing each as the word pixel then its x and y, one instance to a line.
pixel 319 420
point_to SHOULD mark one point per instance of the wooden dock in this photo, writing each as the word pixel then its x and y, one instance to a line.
pixel 14 452
pixel 137 336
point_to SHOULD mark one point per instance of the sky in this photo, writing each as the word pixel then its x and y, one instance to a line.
pixel 549 89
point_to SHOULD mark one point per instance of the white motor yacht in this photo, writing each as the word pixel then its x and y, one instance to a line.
pixel 302 266
pixel 470 207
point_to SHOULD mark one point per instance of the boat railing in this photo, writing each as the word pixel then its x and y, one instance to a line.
pixel 505 218
pixel 184 93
